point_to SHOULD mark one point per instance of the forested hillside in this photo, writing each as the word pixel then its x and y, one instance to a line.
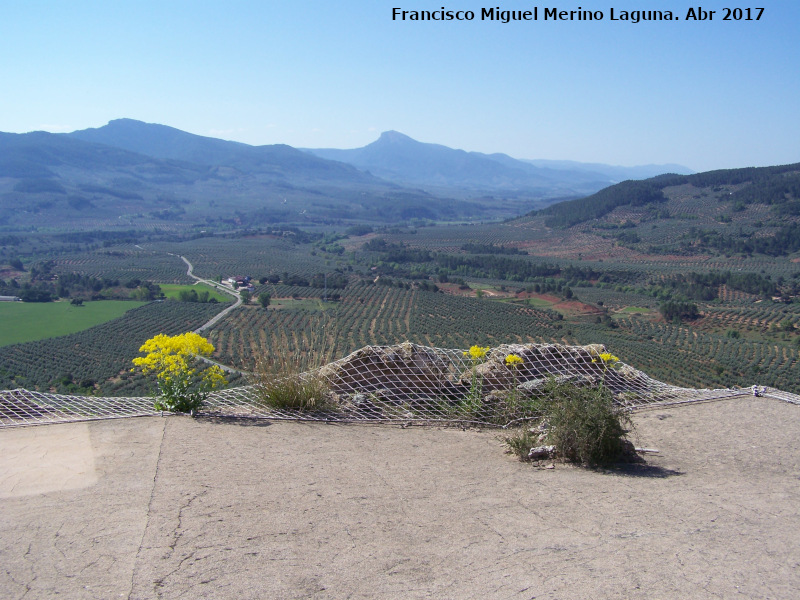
pixel 775 186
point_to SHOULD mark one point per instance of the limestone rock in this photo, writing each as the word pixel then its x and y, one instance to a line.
pixel 534 387
pixel 538 361
pixel 541 452
pixel 398 369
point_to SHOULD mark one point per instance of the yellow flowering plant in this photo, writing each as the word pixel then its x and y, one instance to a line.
pixel 513 362
pixel 474 399
pixel 609 361
pixel 179 387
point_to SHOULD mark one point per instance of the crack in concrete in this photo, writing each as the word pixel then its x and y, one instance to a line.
pixel 158 583
pixel 149 508
pixel 26 585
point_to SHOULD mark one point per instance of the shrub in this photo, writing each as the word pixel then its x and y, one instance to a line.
pixel 280 384
pixel 581 423
pixel 584 424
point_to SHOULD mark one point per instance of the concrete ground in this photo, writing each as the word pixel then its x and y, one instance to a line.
pixel 200 508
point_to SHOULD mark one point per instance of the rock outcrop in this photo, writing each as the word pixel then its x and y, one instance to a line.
pixel 401 369
pixel 539 361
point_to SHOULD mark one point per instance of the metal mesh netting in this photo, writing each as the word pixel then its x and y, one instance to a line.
pixel 404 382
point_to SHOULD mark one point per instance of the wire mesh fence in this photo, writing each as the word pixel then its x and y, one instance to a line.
pixel 407 383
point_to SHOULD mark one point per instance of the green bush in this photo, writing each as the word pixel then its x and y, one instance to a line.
pixel 584 424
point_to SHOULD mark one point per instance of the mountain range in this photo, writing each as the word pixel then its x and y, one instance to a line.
pixel 403 160
pixel 129 173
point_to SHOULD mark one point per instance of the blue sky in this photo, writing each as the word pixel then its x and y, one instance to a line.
pixel 308 73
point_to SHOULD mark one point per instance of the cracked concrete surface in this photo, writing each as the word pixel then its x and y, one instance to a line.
pixel 55 459
pixel 183 508
pixel 72 529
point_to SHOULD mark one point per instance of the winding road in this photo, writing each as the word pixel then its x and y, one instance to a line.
pixel 213 321
pixel 216 286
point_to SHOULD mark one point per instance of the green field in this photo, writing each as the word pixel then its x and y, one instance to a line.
pixel 535 302
pixel 172 290
pixel 31 321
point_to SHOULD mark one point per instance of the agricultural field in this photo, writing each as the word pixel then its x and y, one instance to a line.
pixel 31 321
pixel 125 262
pixel 98 360
pixel 739 339
pixel 615 300
pixel 256 256
pixel 372 314
pixel 682 355
pixel 679 287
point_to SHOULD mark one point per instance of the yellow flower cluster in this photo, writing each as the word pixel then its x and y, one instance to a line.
pixel 606 358
pixel 169 354
pixel 168 357
pixel 512 360
pixel 477 352
pixel 214 377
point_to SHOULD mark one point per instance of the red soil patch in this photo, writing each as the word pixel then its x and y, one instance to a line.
pixel 546 297
pixel 573 307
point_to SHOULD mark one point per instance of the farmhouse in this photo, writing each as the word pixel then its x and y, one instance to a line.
pixel 239 281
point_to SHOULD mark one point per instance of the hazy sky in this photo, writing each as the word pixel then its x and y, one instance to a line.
pixel 706 94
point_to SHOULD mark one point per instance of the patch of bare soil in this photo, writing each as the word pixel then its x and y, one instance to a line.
pixel 545 297
pixel 575 307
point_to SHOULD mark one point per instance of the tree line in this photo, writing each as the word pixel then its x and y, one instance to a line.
pixel 786 240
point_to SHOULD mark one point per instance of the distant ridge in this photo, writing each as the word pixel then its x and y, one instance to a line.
pixel 130 174
pixel 403 160
pixel 617 173
pixel 161 141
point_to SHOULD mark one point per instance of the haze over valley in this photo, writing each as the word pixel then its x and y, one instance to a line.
pixel 129 173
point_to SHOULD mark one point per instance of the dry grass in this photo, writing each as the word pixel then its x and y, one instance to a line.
pixel 286 377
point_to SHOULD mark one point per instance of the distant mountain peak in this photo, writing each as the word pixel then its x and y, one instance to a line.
pixel 135 127
pixel 117 124
pixel 394 137
pixel 125 120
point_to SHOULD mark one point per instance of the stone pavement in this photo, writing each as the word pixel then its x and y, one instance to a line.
pixel 200 508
